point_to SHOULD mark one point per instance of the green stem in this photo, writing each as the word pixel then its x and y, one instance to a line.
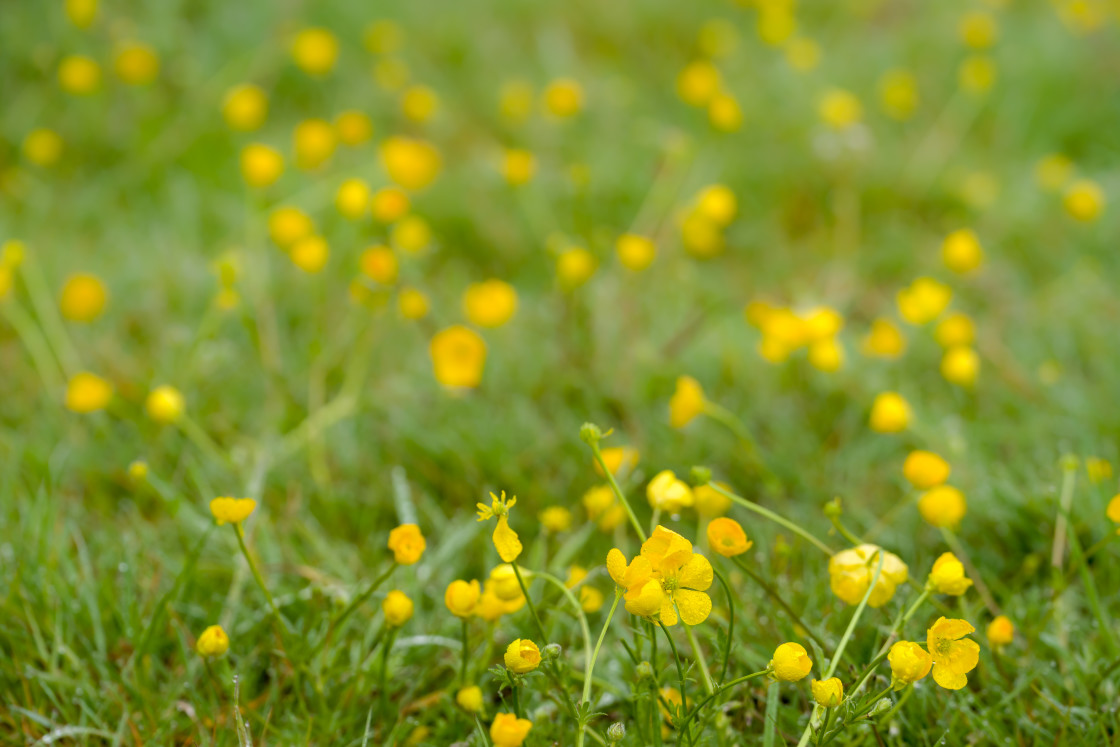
pixel 700 660
pixel 617 491
pixel 257 574
pixel 529 602
pixel 752 506
pixel 729 420
pixel 586 697
pixel 1085 556
pixel 730 624
pixel 885 648
pixel 463 662
pixel 1091 592
pixel 719 691
pixel 773 594
pixel 201 439
pixel 481 732
pixel 680 679
pixel 37 346
pixel 844 531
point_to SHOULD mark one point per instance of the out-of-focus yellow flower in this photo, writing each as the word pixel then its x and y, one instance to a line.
pixel 961 251
pixel 947 576
pixel 1053 172
pixel 469 698
pixel 603 508
pixel 491 303
pixel 515 101
pixel 954 330
pixel 1084 200
pixel 42 147
pixel 315 51
pixel 518 166
pixel 353 128
pixel 826 355
pixel 790 663
pixel 310 254
pixel 1001 631
pixel 590 599
pixel 909 663
pixel 687 403
pixel 411 163
pixel 87 392
pixel 261 165
pixel 776 23
pixel 12 253
pixel 890 413
pixel 81 12
pixel 802 54
pixel 953 655
pixel 923 300
pixel 666 492
pixel 840 109
pixel 461 597
pixel 978 29
pixel 353 198
pixel 1098 469
pixel 574 267
pixel 619 460
pixel 506 541
pixel 314 143
pixel 407 544
pixel 245 107
pixel 413 304
pixel 635 252
pixel 960 365
pixel 411 234
pixel 212 643
pixel 977 74
pixel 419 104
pixel 717 203
pixel 556 519
pixel 522 656
pixel 724 113
pixel 503 582
pixel 287 225
pixel 136 64
pixel 851 572
pixel 232 510
pixel 943 506
pixel 726 537
pixel 83 297
pixel 138 470
pixel 165 404
pixel 698 83
pixel 383 37
pixel 79 75
pixel 391 73
pixel 507 730
pixel 710 502
pixel 884 340
pixel 563 98
pixel 389 204
pixel 925 470
pixel 701 237
pixel 898 94
pixel 828 693
pixel 379 264
pixel 397 608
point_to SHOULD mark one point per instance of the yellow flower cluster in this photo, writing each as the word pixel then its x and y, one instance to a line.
pixel 785 331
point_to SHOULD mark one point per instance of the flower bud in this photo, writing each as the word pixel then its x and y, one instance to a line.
pixel 833 508
pixel 590 433
pixel 616 732
pixel 551 651
pixel 701 475
pixel 881 707
pixel 644 670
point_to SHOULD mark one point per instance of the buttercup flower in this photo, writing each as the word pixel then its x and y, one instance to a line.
pixel 684 577
pixel 245 107
pixel 461 597
pixel 603 507
pixel 314 143
pixel 668 493
pixel 909 663
pixel 232 510
pixel 1001 631
pixel 563 98
pixel 287 225
pixel 924 469
pixel 310 254
pixel 522 656
pixel 458 357
pixel 419 103
pixel 353 198
pixel 644 595
pixel 79 75
pixel 924 300
pixel 43 147
pixel 389 204
pixel 961 251
pixel 469 698
pixel 87 392
pixel 353 128
pixel 698 83
pixel 508 730
pixel 397 608
pixel 960 365
pixel 81 12
pixel 505 539
pixel 635 252
pixel 709 501
pixel 955 330
pixel 413 304
pixel 898 94
pixel 687 402
pixel 590 599
pixel 136 64
pixel 790 663
pixel 828 693
pixel 953 655
pixel 556 519
pixel 885 340
pixel 261 165
pixel 947 576
pixel 407 544
pixel 840 109
pixel 83 297
pixel 574 267
pixel 411 163
pixel 727 537
pixel 490 304
pixel 379 264
pixel 619 460
pixel 1113 511
pixel 851 572
pixel 942 506
pixel 165 404
pixel 890 413
pixel 212 643
pixel 315 51
pixel 518 166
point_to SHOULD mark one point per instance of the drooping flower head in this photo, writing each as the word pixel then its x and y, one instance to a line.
pixel 852 571
pixel 909 663
pixel 947 576
pixel 506 541
pixel 790 663
pixel 828 693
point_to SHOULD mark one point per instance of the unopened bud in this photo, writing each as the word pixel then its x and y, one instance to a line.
pixel 701 475
pixel 881 707
pixel 590 433
pixel 551 651
pixel 616 732
pixel 644 670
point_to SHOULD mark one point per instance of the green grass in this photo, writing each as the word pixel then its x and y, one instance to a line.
pixel 105 583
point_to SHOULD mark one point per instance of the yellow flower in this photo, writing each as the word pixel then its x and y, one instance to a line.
pixel 776 23
pixel 635 252
pixel 683 576
pixel 687 402
pixel 925 470
pixel 840 109
pixel 953 657
pixel 411 234
pixel 522 656
pixel 574 267
pixel 379 264
pixel 136 64
pixel 909 663
pixel 411 163
pixel 288 225
pixel 419 103
pixel 590 599
pixel 724 113
pixel 414 305
pixel 43 147
pixel 644 595
pixel 923 301
pixel 602 507
pixel 556 519
pixel 315 51
pixel 563 98
pixel 1113 511
pixel 955 330
pixel 261 165
pixel 1053 172
pixel 382 37
pixel 87 392
pixel 890 413
pixel 79 75
pixel 165 404
pixel 943 506
pixel 1001 631
pixel 458 357
pixel 490 304
pixel 469 698
pixel 314 143
pixel 461 597
pixel 718 204
pixel 727 537
pixel 83 297
pixel 389 204
pixel 619 460
pixel 978 29
pixel 353 128
pixel 213 642
pixel 518 166
pixel 1084 200
pixel 1098 469
pixel 81 12
pixel 960 365
pixel 397 608
pixel 666 492
pixel 232 510
pixel 506 541
pixel 977 74
pixel 884 340
pixel 245 107
pixel 802 54
pixel 407 544
pixel 508 730
pixel 515 101
pixel 503 582
pixel 851 572
pixel 961 251
pixel 698 83
pixel 709 501
pixel 947 576
pixel 791 663
pixel 828 693
pixel 310 254
pixel 898 94
pixel 353 198
pixel 826 355
pixel 138 470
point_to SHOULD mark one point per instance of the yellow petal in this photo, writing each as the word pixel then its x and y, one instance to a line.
pixel 645 600
pixel 506 541
pixel 696 574
pixel 963 657
pixel 616 565
pixel 694 606
pixel 947 678
pixel 668 612
pixel 945 628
